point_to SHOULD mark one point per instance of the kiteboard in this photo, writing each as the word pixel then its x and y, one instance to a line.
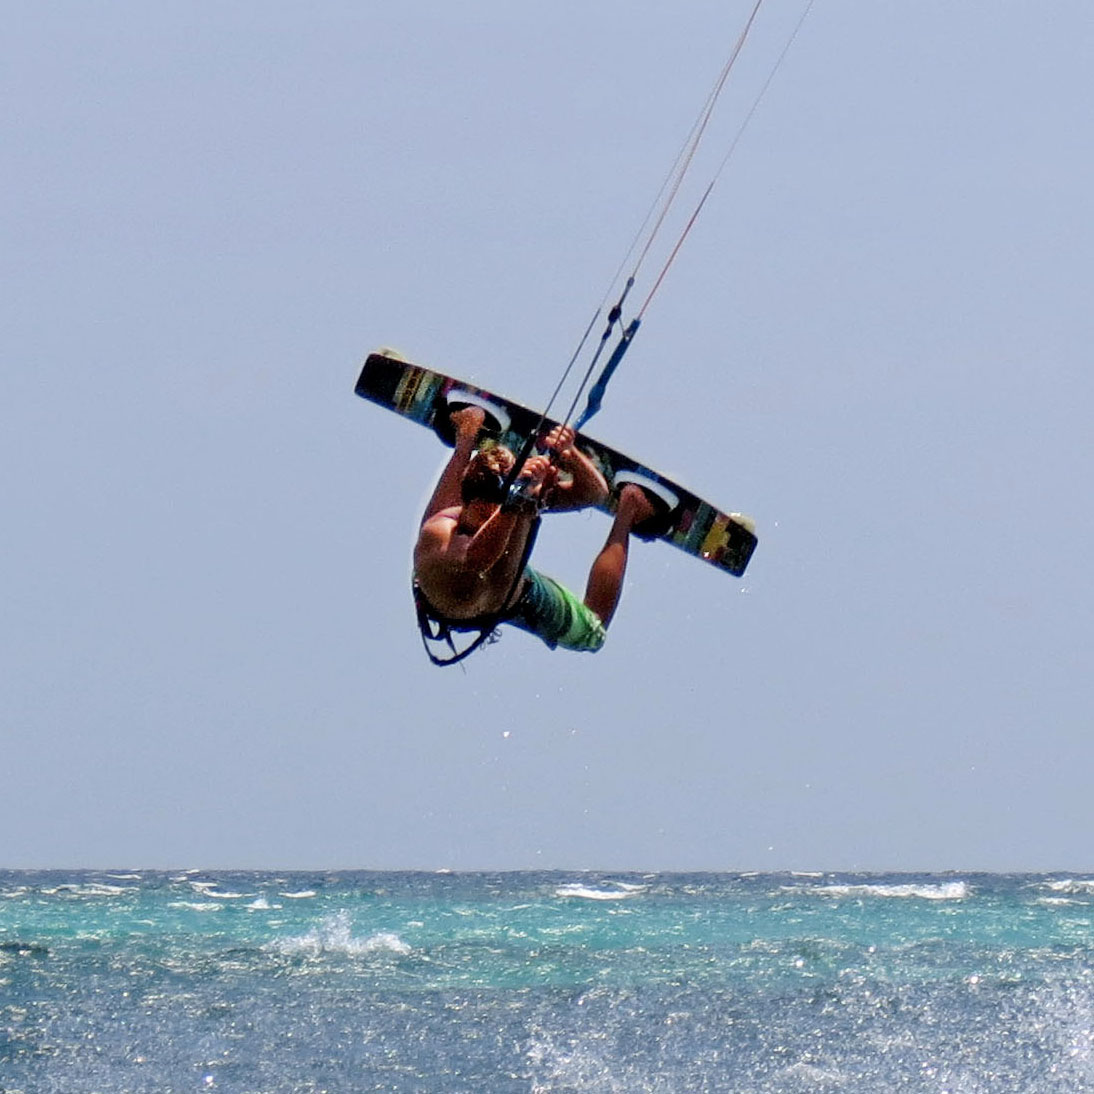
pixel 726 540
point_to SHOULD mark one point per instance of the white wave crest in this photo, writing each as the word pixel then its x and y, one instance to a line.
pixel 335 935
pixel 946 890
pixel 1073 885
pixel 620 890
pixel 303 894
pixel 209 889
pixel 196 906
pixel 91 888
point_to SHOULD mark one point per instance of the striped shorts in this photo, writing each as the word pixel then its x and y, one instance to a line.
pixel 551 612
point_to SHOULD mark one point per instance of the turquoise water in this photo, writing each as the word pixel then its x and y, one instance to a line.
pixel 264 983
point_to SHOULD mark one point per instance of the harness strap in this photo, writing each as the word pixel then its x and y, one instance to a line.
pixel 435 627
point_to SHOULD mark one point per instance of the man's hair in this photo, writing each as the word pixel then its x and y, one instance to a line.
pixel 486 473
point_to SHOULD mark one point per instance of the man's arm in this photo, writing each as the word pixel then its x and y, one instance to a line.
pixel 497 534
pixel 468 422
pixel 587 485
pixel 491 541
pixel 476 553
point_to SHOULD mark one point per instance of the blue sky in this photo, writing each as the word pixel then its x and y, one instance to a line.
pixel 875 342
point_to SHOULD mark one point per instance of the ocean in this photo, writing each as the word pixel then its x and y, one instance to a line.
pixel 122 982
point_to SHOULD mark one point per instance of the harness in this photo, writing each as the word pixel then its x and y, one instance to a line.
pixel 435 627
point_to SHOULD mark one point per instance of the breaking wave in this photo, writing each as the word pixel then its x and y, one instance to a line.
pixel 335 936
pixel 947 890
pixel 614 890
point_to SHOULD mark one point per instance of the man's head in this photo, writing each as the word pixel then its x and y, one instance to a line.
pixel 485 475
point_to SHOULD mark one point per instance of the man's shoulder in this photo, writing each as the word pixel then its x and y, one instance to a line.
pixel 437 530
pixel 443 520
pixel 449 512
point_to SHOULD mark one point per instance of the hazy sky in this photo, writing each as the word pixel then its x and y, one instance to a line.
pixel 877 342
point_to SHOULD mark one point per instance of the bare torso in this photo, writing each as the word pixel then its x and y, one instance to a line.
pixel 455 586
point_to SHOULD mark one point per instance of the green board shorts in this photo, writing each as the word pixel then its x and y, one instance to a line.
pixel 551 612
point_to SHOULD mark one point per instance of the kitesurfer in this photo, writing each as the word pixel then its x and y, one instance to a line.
pixel 471 559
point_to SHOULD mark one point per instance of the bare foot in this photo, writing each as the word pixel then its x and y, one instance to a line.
pixel 634 506
pixel 467 421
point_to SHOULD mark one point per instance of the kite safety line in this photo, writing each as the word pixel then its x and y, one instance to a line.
pixel 729 151
pixel 644 239
pixel 659 208
pixel 687 153
pixel 652 226
pixel 642 245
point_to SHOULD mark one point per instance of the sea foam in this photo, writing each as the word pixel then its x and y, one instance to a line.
pixel 620 890
pixel 947 890
pixel 90 888
pixel 209 889
pixel 335 936
pixel 1071 885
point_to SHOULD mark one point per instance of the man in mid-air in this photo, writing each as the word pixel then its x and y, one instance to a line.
pixel 471 559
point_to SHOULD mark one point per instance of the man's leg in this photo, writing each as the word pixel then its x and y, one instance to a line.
pixel 606 576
